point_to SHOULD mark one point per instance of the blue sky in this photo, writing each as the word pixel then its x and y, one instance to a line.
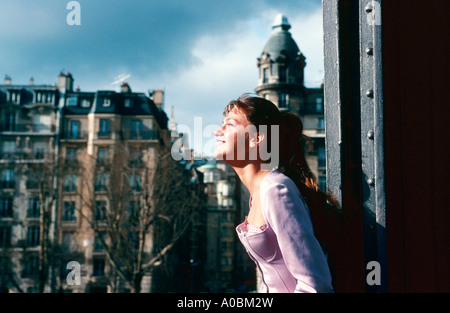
pixel 201 52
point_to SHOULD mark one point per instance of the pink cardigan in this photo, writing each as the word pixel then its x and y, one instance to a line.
pixel 285 250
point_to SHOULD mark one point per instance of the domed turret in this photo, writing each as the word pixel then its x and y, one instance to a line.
pixel 281 42
pixel 281 65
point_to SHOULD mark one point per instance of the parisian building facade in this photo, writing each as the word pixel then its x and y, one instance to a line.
pixel 56 165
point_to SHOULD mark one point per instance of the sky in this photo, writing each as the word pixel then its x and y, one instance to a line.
pixel 202 53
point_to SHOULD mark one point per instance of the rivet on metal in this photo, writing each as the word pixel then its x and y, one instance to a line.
pixel 369 8
pixel 369 93
pixel 369 51
pixel 370 134
pixel 371 181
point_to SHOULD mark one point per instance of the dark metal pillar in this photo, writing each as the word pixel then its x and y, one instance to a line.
pixel 354 133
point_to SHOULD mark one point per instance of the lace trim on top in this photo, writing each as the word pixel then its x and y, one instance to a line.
pixel 252 228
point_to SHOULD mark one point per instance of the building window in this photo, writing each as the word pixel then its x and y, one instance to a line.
pixel 99 266
pixel 68 242
pixel 5 236
pixel 283 101
pixel 265 75
pixel 33 208
pixel 319 105
pixel 14 97
pixel 106 102
pixel 128 103
pixel 322 182
pixel 225 261
pixel 39 150
pixel 102 182
pixel 8 149
pixel 103 130
pixel 6 207
pixel 102 155
pixel 70 183
pixel 320 123
pixel 133 212
pixel 85 103
pixel 69 211
pixel 74 128
pixel 71 155
pixel 100 210
pixel 135 182
pixel 7 179
pixel 45 97
pixel 136 129
pixel 133 239
pixel 31 267
pixel 33 236
pixel 72 101
pixel 98 246
pixel 33 180
pixel 10 121
pixel 282 73
pixel 135 157
pixel 322 157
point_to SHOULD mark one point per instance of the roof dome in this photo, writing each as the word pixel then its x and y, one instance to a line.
pixel 281 40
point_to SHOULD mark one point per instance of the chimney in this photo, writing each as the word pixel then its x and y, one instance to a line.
pixel 125 88
pixel 158 98
pixel 7 80
pixel 65 82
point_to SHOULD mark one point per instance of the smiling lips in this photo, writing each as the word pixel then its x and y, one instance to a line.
pixel 219 142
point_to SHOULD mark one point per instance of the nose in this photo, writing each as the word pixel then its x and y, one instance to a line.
pixel 218 132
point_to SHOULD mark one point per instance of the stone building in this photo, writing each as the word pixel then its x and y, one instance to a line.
pixel 28 134
pixel 58 147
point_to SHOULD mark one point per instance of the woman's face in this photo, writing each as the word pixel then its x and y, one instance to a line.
pixel 232 138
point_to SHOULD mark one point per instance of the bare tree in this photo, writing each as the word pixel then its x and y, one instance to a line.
pixel 127 197
pixel 38 168
pixel 41 172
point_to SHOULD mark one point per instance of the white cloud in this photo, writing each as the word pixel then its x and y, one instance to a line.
pixel 226 67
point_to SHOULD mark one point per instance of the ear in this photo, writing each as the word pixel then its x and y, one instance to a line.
pixel 257 139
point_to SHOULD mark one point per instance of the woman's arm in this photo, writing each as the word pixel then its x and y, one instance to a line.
pixel 286 213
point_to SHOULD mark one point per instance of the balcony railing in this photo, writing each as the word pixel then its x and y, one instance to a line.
pixel 140 135
pixel 27 128
pixel 22 155
pixel 7 184
pixel 74 135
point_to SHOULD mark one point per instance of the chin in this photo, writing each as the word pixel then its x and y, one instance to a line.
pixel 218 155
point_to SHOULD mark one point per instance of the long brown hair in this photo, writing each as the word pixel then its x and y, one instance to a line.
pixel 324 208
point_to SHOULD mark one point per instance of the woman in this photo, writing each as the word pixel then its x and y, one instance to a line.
pixel 277 233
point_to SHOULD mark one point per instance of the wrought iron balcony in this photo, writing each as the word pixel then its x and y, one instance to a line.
pixel 140 134
pixel 74 135
pixel 27 128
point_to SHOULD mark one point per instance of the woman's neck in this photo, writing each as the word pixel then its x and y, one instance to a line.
pixel 251 176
